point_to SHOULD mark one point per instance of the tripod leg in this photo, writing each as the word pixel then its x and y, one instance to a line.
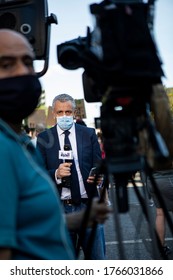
pixel 121 182
pixel 117 220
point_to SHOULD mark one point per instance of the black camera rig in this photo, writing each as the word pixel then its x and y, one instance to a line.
pixel 119 51
pixel 121 64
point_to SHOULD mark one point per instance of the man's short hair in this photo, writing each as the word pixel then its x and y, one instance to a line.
pixel 64 98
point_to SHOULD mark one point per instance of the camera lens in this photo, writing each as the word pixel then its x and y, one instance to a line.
pixel 68 57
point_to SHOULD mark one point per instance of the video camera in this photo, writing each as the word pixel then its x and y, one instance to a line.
pixel 119 51
pixel 121 64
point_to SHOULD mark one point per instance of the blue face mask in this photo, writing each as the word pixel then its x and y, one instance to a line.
pixel 65 122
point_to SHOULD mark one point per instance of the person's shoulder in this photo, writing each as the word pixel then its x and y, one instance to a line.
pixel 84 128
pixel 4 141
pixel 10 147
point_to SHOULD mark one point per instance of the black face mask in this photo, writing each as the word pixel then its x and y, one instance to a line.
pixel 19 97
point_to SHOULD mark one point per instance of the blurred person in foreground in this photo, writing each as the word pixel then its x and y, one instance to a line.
pixel 32 224
pixel 162 171
pixel 86 152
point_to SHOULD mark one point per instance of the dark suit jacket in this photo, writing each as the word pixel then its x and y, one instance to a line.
pixel 88 148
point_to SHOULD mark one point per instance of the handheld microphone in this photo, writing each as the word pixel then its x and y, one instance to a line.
pixel 68 157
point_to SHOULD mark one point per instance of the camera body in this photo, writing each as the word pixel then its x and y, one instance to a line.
pixel 119 51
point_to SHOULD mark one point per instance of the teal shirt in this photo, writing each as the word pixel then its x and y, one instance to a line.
pixel 31 217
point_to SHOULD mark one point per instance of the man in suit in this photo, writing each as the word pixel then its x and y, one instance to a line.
pixel 72 178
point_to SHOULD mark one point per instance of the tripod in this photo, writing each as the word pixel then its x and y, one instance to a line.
pixel 120 206
pixel 119 171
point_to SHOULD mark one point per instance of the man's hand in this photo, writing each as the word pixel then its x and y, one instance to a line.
pixel 63 170
pixel 91 179
pixel 99 212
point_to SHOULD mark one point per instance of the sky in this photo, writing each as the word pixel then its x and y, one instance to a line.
pixel 73 18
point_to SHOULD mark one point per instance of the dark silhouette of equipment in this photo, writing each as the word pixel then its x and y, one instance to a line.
pixel 30 17
pixel 121 65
